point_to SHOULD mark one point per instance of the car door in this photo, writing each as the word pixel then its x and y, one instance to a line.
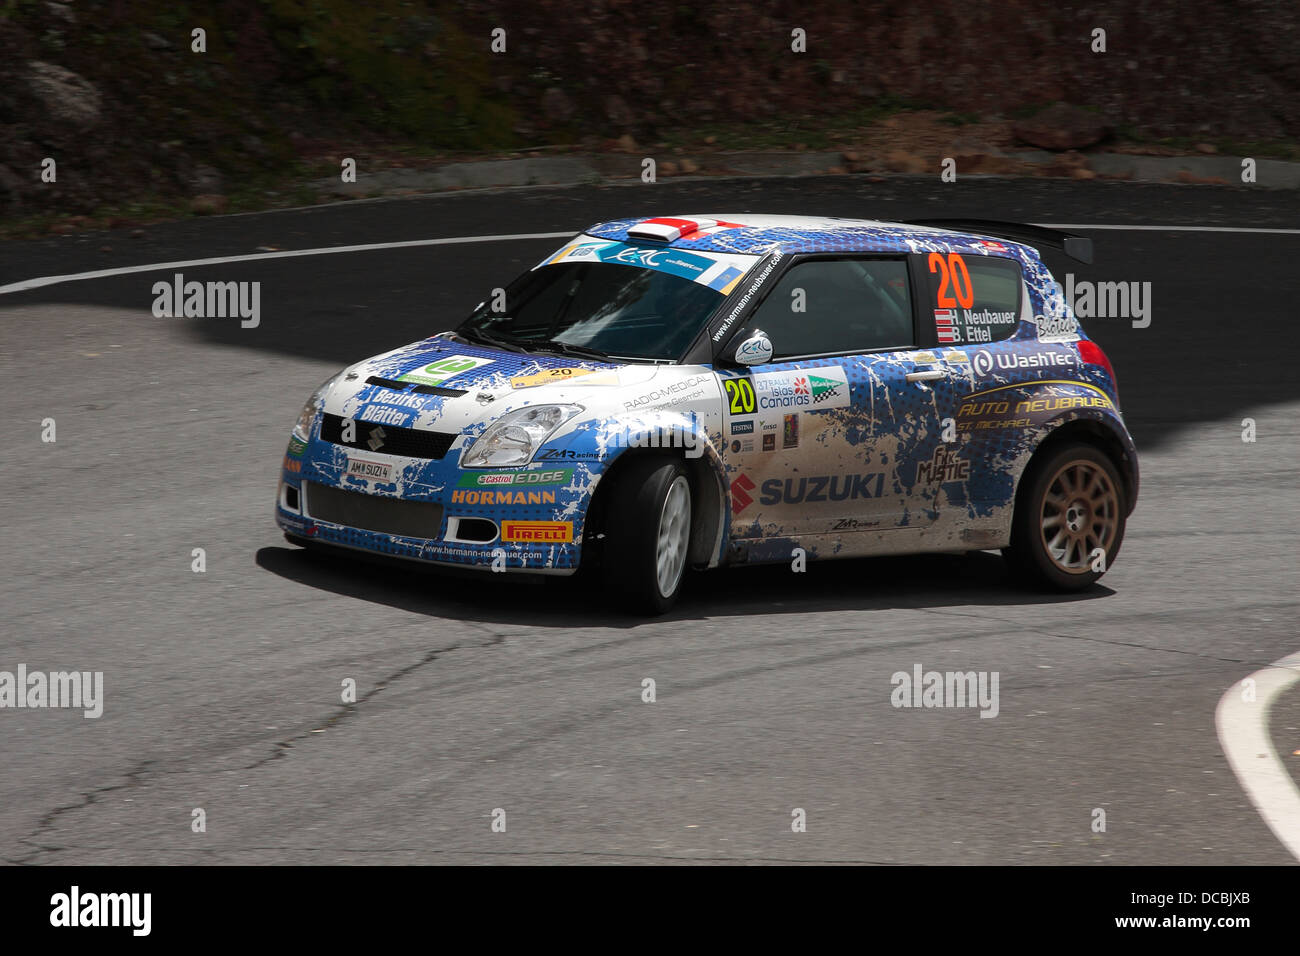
pixel 825 438
pixel 978 302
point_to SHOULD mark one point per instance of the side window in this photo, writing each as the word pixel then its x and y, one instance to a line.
pixel 974 298
pixel 837 306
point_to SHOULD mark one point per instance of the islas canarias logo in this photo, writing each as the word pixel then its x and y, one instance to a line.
pixel 826 387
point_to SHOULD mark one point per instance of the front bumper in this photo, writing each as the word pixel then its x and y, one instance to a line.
pixel 432 511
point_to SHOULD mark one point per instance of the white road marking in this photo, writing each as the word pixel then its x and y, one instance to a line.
pixel 38 283
pixel 1243 734
pixel 284 254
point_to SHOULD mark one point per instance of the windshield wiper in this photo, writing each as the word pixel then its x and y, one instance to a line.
pixel 564 348
pixel 486 338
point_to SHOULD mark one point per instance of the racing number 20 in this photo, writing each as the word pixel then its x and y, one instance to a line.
pixel 740 396
pixel 952 271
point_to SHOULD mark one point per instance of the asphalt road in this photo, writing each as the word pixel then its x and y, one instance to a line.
pixel 222 689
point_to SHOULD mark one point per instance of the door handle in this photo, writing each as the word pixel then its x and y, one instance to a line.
pixel 926 375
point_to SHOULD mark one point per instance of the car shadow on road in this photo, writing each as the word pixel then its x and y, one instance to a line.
pixel 975 579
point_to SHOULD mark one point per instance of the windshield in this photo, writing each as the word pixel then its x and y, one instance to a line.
pixel 613 299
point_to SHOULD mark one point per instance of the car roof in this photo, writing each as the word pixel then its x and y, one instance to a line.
pixel 759 234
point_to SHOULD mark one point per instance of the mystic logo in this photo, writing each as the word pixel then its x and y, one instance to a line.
pixel 944 466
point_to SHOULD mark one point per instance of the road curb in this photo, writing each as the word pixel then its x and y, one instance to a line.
pixel 593 168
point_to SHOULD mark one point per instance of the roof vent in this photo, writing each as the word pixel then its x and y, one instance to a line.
pixel 667 230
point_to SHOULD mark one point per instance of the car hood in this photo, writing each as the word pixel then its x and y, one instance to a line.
pixel 444 385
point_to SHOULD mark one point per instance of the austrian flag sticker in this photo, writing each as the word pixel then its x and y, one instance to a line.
pixel 945 321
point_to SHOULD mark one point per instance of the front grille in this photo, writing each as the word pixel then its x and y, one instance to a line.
pixel 422 389
pixel 411 442
pixel 413 519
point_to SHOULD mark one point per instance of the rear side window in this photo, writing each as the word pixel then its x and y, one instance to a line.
pixel 973 298
pixel 837 307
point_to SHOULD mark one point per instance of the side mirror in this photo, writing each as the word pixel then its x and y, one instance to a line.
pixel 755 350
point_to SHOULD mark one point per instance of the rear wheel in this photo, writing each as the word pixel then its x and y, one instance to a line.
pixel 1069 520
pixel 648 534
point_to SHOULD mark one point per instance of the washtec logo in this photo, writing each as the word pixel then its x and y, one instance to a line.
pixel 985 361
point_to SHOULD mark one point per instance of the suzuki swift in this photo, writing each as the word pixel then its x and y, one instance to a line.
pixel 690 392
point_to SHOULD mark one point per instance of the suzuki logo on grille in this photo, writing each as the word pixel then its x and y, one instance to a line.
pixel 377 436
pixel 740 500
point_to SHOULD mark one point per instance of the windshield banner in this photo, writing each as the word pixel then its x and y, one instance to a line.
pixel 717 271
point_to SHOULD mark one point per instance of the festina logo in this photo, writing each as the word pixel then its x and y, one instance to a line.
pixel 377 436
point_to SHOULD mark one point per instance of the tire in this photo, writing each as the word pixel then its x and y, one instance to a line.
pixel 648 535
pixel 1071 501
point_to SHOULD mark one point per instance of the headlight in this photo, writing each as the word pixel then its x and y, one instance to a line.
pixel 302 429
pixel 514 437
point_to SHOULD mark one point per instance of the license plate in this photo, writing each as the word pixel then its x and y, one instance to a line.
pixel 372 470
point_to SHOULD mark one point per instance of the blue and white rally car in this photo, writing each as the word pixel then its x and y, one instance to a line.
pixel 701 391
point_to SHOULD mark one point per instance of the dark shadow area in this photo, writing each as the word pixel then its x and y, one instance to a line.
pixel 1220 339
pixel 977 579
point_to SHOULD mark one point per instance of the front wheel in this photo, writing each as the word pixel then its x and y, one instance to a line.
pixel 649 535
pixel 1069 520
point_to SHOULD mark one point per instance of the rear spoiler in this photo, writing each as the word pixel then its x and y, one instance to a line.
pixel 1078 248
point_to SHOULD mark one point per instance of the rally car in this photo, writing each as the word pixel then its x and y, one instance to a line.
pixel 688 392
